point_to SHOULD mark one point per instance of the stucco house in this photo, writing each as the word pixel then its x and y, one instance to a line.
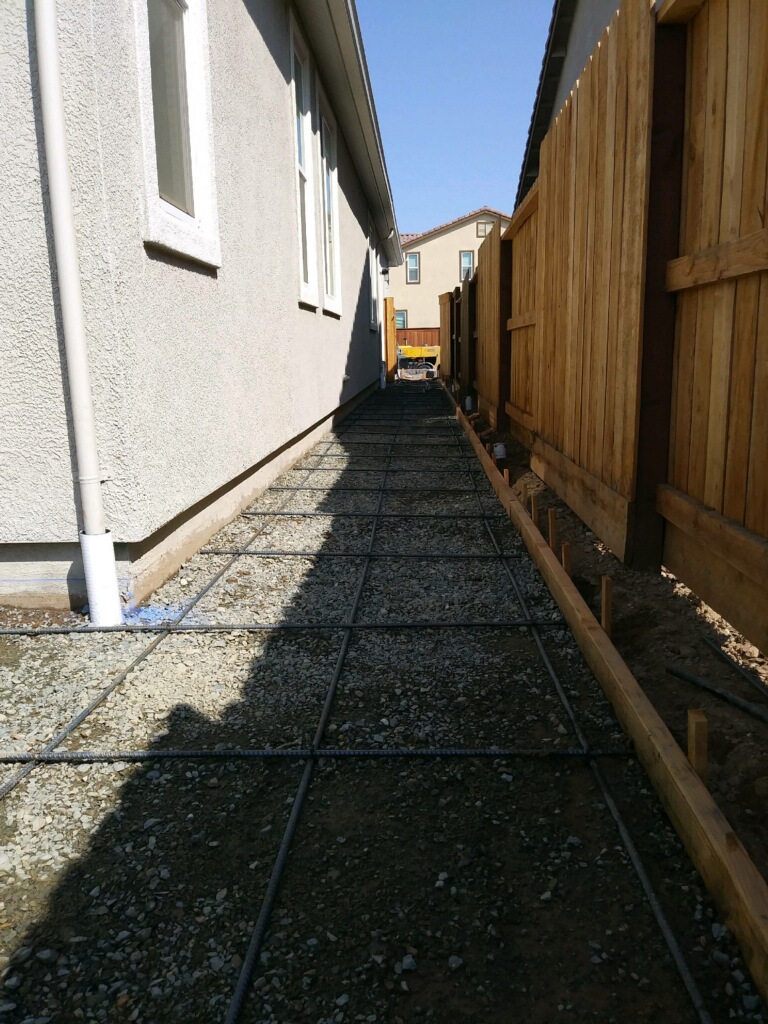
pixel 437 261
pixel 196 228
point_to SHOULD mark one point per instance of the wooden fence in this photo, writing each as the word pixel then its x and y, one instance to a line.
pixel 716 505
pixel 635 374
pixel 418 337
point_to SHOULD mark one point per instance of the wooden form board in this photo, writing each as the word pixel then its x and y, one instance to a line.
pixel 492 306
pixel 590 257
pixel 390 337
pixel 718 455
pixel 736 885
pixel 446 317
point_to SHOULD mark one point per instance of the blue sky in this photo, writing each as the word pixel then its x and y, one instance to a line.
pixel 454 84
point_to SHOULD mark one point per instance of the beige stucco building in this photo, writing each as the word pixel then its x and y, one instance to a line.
pixel 233 222
pixel 436 262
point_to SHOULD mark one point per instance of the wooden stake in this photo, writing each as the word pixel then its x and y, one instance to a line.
pixel 525 495
pixel 506 477
pixel 552 517
pixel 535 510
pixel 606 610
pixel 495 460
pixel 566 557
pixel 488 448
pixel 697 742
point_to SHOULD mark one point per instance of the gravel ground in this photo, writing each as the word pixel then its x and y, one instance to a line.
pixel 435 889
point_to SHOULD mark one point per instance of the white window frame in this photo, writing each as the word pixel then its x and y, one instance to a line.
pixel 418 268
pixel 373 277
pixel 165 226
pixel 308 290
pixel 466 252
pixel 331 302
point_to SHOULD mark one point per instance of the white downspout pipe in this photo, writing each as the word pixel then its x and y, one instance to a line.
pixel 95 540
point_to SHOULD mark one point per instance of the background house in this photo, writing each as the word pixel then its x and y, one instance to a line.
pixel 437 261
pixel 233 219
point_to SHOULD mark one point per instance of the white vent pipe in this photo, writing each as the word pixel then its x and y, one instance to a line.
pixel 96 542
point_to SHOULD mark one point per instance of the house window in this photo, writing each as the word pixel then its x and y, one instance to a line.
pixel 466 264
pixel 483 227
pixel 169 102
pixel 401 319
pixel 332 263
pixel 177 128
pixel 373 277
pixel 413 268
pixel 305 205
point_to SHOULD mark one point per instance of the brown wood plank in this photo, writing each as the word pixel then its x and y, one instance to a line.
pixel 642 29
pixel 604 511
pixel 741 398
pixel 756 517
pixel 731 259
pixel 620 156
pixel 390 338
pixel 679 11
pixel 738 888
pixel 515 323
pixel 526 209
pixel 731 593
pixel 716 535
pixel 568 324
pixel 711 199
pixel 595 157
pixel 606 119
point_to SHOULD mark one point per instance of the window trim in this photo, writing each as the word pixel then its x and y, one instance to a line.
pixel 166 226
pixel 466 252
pixel 405 324
pixel 418 267
pixel 331 302
pixel 308 290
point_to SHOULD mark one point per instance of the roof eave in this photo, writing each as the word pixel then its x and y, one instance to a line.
pixel 336 41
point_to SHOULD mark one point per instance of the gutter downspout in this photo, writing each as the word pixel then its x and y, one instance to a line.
pixel 95 540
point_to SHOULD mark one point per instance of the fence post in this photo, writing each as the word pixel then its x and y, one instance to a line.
pixel 659 307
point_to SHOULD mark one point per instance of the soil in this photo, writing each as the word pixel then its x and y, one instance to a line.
pixel 658 623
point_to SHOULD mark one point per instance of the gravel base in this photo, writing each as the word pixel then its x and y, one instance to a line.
pixel 437 891
pixel 429 890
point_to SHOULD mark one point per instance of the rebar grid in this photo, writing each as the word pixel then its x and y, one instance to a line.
pixel 583 753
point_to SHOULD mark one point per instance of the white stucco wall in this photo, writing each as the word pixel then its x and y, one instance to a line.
pixel 439 271
pixel 589 23
pixel 195 376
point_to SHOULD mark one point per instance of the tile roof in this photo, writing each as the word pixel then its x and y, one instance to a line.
pixel 408 239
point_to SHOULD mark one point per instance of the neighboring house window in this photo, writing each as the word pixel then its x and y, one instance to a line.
pixel 373 277
pixel 401 319
pixel 413 268
pixel 483 227
pixel 177 128
pixel 331 256
pixel 305 204
pixel 466 264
